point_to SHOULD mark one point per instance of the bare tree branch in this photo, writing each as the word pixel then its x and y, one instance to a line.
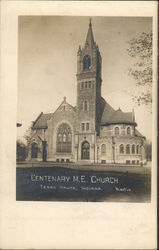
pixel 141 49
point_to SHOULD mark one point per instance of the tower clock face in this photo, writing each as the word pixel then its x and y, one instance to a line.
pixel 86 62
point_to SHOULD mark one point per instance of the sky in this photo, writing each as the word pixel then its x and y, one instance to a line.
pixel 47 64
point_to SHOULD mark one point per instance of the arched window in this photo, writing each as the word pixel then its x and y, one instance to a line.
pixel 86 62
pixel 90 85
pixel 64 139
pixel 133 149
pixel 103 149
pixel 85 105
pixel 128 131
pixel 85 150
pixel 127 149
pixel 82 85
pixel 34 150
pixel 137 149
pixel 121 149
pixel 116 131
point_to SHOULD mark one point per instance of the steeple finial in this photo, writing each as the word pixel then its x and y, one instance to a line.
pixel 90 38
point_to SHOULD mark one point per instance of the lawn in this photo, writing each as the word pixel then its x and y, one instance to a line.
pixel 89 183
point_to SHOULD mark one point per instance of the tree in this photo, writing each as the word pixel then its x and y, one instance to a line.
pixel 28 136
pixel 21 150
pixel 148 150
pixel 141 50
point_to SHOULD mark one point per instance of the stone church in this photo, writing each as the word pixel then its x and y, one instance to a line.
pixel 92 131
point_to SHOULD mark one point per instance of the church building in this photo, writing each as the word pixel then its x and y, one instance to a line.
pixel 92 131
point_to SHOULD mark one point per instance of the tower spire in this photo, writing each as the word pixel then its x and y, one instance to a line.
pixel 89 84
pixel 90 38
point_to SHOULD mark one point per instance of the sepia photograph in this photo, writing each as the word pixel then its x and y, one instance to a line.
pixel 78 125
pixel 84 124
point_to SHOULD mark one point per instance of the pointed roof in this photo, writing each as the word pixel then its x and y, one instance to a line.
pixel 41 120
pixel 64 103
pixel 90 38
pixel 111 116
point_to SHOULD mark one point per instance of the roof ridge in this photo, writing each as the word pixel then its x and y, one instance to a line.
pixel 37 118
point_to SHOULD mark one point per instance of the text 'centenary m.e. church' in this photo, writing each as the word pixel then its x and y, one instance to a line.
pixel 92 131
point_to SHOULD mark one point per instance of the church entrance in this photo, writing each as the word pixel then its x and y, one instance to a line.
pixel 85 150
pixel 34 150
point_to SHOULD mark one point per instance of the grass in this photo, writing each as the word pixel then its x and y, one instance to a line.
pixel 138 180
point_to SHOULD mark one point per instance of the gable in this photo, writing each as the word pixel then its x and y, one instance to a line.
pixel 41 121
pixel 65 107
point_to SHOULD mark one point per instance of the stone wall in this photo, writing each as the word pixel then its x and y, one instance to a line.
pixel 38 135
pixel 109 130
pixel 88 95
pixel 62 115
pixel 113 154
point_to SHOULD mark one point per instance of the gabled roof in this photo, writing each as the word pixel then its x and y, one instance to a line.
pixel 66 104
pixel 108 116
pixel 111 116
pixel 107 113
pixel 41 121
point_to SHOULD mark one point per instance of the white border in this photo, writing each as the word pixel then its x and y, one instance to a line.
pixel 45 225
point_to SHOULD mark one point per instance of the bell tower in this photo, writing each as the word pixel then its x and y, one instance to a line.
pixel 89 85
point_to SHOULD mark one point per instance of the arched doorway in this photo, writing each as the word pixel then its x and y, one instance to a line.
pixel 34 150
pixel 85 150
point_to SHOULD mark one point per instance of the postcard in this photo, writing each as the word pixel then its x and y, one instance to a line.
pixel 79 82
